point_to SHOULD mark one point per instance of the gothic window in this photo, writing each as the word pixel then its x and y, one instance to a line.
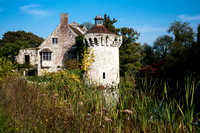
pixel 54 40
pixel 107 40
pixel 90 41
pixel 95 41
pixel 46 56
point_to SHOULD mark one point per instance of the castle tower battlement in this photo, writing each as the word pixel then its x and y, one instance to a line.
pixel 102 39
pixel 105 46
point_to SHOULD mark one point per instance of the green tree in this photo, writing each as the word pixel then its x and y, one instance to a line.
pixel 30 38
pixel 10 50
pixel 109 24
pixel 130 52
pixel 150 56
pixel 162 45
pixel 129 35
pixel 183 33
pixel 177 53
pixel 130 58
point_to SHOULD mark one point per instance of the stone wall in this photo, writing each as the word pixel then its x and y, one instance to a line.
pixel 31 52
pixel 105 69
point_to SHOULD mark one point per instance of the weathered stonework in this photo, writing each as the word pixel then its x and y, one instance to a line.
pixel 56 47
pixel 66 39
pixel 31 53
pixel 105 69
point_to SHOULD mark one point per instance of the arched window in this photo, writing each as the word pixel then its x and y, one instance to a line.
pixel 102 41
pixel 107 40
pixel 95 41
pixel 90 41
pixel 86 43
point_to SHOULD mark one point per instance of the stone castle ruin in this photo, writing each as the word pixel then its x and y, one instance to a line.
pixel 60 45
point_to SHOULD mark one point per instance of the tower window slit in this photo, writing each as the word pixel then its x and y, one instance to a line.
pixel 104 75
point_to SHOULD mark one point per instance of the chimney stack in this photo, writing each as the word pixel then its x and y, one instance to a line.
pixel 63 19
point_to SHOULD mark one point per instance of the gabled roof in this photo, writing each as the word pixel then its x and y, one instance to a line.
pixel 75 30
pixel 99 29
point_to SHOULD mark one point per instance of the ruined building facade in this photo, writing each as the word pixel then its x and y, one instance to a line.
pixel 60 45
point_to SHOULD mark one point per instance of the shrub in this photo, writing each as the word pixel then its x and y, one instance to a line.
pixel 71 64
pixel 6 66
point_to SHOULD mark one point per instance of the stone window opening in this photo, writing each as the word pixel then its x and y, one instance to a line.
pixel 107 40
pixel 54 40
pixel 104 75
pixel 95 41
pixel 86 43
pixel 90 41
pixel 27 59
pixel 46 56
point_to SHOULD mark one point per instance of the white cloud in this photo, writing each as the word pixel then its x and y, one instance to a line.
pixel 146 29
pixel 33 10
pixel 189 18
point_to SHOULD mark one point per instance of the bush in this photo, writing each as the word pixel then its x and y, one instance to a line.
pixel 6 66
pixel 71 64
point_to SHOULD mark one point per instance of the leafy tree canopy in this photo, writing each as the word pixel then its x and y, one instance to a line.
pixel 108 23
pixel 12 36
pixel 10 50
pixel 162 45
pixel 183 33
pixel 130 58
pixel 129 35
pixel 150 56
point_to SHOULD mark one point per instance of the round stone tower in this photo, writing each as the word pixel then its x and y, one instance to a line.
pixel 105 45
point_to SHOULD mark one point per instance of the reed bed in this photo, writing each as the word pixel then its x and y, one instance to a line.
pixel 65 104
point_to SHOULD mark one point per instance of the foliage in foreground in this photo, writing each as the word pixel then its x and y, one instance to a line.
pixel 65 104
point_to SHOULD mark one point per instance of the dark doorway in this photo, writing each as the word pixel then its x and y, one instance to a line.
pixel 27 59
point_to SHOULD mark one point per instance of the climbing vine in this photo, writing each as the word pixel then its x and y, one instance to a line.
pixel 88 59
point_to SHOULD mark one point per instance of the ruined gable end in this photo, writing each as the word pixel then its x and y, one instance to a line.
pixel 27 56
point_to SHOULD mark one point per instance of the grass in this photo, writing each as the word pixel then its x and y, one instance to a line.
pixel 5 122
pixel 66 104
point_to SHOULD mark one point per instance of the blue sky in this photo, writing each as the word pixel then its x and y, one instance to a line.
pixel 151 18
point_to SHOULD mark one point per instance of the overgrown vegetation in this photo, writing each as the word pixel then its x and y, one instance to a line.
pixel 66 104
